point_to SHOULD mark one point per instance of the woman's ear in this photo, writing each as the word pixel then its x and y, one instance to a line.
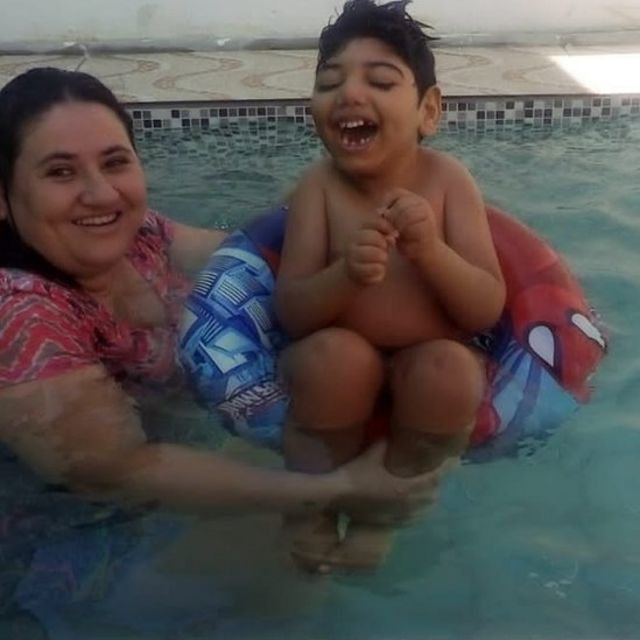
pixel 4 209
pixel 430 111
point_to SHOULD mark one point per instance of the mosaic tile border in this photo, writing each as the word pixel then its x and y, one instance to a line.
pixel 459 114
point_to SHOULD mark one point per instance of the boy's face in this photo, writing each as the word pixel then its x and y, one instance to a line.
pixel 366 109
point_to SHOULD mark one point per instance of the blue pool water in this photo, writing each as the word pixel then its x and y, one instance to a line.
pixel 546 546
pixel 543 546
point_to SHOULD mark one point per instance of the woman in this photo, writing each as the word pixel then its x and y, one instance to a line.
pixel 91 287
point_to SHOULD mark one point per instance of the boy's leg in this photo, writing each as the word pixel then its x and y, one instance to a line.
pixel 333 377
pixel 436 390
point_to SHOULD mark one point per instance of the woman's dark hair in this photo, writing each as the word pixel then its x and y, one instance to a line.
pixel 22 101
pixel 389 23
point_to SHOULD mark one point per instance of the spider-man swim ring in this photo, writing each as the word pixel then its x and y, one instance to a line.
pixel 541 353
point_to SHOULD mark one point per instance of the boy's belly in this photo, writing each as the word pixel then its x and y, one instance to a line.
pixel 398 314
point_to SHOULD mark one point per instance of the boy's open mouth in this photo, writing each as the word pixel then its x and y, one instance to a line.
pixel 357 134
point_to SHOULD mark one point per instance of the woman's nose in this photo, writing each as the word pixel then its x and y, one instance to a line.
pixel 98 191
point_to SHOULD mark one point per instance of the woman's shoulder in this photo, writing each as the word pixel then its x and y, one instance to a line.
pixel 18 282
pixel 33 299
pixel 157 228
pixel 46 327
pixel 150 249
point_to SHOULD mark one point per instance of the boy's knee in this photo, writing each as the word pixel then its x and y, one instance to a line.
pixel 334 377
pixel 441 370
pixel 333 354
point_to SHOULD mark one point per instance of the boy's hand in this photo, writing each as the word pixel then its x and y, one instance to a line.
pixel 368 252
pixel 414 221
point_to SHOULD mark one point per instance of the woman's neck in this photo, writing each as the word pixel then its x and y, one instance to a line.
pixel 103 286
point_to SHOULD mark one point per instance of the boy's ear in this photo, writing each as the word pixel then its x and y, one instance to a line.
pixel 430 111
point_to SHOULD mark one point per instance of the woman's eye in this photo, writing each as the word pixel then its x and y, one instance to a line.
pixel 117 161
pixel 59 172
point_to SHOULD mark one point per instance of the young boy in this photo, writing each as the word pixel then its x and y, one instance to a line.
pixel 388 270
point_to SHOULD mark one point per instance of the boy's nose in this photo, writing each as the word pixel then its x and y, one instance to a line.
pixel 351 92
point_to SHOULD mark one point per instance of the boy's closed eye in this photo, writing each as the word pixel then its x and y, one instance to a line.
pixel 385 85
pixel 328 78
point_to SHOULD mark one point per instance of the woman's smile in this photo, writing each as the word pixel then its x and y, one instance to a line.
pixel 99 222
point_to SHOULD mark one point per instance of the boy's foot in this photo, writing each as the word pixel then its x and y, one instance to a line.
pixel 312 541
pixel 316 546
pixel 364 548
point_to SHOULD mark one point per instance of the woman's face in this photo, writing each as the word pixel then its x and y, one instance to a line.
pixel 78 194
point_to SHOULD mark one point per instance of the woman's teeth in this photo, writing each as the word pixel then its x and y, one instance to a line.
pixel 97 221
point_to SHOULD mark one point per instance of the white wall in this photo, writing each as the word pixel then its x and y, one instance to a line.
pixel 100 21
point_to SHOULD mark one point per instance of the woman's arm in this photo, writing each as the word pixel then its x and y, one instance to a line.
pixel 192 246
pixel 81 430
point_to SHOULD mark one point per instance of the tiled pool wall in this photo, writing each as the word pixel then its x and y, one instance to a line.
pixel 459 114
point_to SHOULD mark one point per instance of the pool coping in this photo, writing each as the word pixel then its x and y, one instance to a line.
pixel 484 87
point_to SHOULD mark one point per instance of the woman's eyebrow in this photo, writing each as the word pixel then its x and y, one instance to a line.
pixel 116 148
pixel 56 155
pixel 67 155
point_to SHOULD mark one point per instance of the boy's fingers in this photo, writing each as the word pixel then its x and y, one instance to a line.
pixel 380 224
pixel 372 237
pixel 393 195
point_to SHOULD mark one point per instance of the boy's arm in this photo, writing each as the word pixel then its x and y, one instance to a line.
pixel 463 269
pixel 310 293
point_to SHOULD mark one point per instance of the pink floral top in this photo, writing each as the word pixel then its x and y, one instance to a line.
pixel 47 329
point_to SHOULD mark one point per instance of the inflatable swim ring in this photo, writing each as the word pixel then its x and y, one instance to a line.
pixel 541 353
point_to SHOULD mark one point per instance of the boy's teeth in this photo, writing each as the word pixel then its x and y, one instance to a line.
pixel 353 142
pixel 352 124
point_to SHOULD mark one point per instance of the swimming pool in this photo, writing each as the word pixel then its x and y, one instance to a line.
pixel 543 546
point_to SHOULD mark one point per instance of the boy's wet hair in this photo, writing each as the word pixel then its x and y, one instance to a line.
pixel 390 23
pixel 23 100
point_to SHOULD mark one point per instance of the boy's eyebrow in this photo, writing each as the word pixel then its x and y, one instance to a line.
pixel 383 63
pixel 66 155
pixel 371 64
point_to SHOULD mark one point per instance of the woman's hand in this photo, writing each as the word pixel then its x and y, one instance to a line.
pixel 369 488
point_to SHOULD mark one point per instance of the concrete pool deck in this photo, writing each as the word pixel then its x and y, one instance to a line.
pixel 463 71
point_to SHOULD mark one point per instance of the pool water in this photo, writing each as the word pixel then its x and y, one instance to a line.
pixel 544 546
pixel 541 546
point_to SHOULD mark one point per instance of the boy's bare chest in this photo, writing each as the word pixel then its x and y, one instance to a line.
pixel 347 210
pixel 374 311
